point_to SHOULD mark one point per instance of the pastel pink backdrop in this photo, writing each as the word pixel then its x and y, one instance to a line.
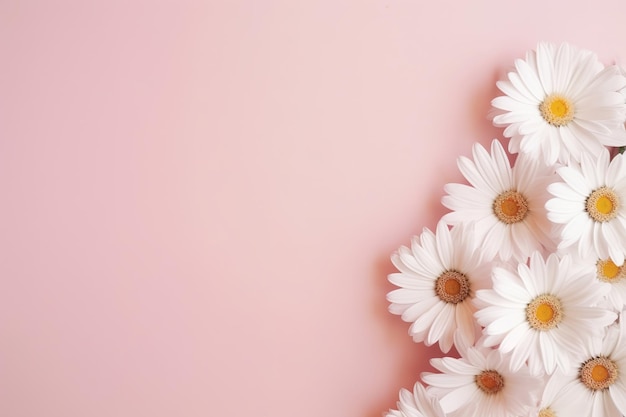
pixel 199 198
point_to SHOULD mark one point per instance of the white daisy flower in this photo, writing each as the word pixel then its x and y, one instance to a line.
pixel 438 278
pixel 591 206
pixel 506 203
pixel 543 312
pixel 597 385
pixel 560 103
pixel 416 404
pixel 481 384
pixel 615 277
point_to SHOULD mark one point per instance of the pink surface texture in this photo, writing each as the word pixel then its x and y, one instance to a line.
pixel 200 198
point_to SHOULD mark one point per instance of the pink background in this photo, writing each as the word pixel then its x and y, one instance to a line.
pixel 199 198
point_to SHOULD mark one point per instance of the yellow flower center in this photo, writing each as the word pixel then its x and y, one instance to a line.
pixel 544 312
pixel 598 373
pixel 607 271
pixel 510 207
pixel 602 204
pixel 546 412
pixel 452 287
pixel 490 382
pixel 557 110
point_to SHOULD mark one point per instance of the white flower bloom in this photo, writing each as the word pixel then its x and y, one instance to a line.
pixel 416 404
pixel 481 384
pixel 591 206
pixel 596 386
pixel 614 277
pixel 438 278
pixel 560 103
pixel 506 203
pixel 543 312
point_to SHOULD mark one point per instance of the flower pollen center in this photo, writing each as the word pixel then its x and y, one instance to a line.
pixel 452 287
pixel 544 312
pixel 557 110
pixel 607 271
pixel 510 207
pixel 490 382
pixel 546 412
pixel 598 373
pixel 602 204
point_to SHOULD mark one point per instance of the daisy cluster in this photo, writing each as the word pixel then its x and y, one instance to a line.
pixel 524 278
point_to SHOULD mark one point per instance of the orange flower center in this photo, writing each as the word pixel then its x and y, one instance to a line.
pixel 490 382
pixel 602 204
pixel 607 271
pixel 557 110
pixel 510 207
pixel 452 287
pixel 544 312
pixel 598 373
